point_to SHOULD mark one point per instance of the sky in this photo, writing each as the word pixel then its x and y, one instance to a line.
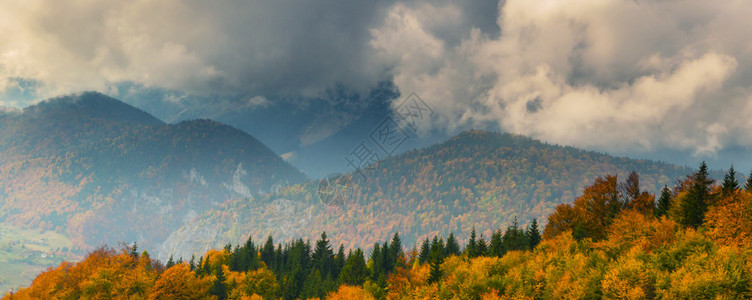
pixel 631 77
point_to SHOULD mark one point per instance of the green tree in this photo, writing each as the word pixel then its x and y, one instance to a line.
pixel 664 202
pixel 696 202
pixel 452 246
pixel 533 234
pixel 267 253
pixel 496 247
pixel 748 185
pixel 218 287
pixel 395 252
pixel 730 185
pixel 436 258
pixel 170 262
pixel 323 257
pixel 354 272
pixel 424 251
pixel 472 245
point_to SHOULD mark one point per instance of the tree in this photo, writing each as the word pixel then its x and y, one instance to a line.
pixel 696 201
pixel 170 262
pixel 339 261
pixel 267 253
pixel 496 248
pixel 179 282
pixel 424 251
pixel 730 185
pixel 748 185
pixel 472 245
pixel 323 257
pixel 354 272
pixel 218 287
pixel 533 234
pixel 514 237
pixel 452 246
pixel 590 214
pixel 436 258
pixel 395 252
pixel 664 202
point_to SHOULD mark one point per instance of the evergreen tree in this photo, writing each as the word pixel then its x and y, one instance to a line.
pixel 436 258
pixel 354 272
pixel 664 202
pixel 472 248
pixel 696 203
pixel 514 237
pixel 312 287
pixel 134 250
pixel 192 262
pixel 452 246
pixel 267 253
pixel 424 251
pixel 395 251
pixel 339 261
pixel 496 248
pixel 323 257
pixel 533 234
pixel 482 246
pixel 748 185
pixel 170 262
pixel 730 185
pixel 218 287
pixel 377 259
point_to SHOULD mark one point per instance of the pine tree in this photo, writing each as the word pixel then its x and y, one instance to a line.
pixel 482 246
pixel 748 185
pixel 730 185
pixel 533 234
pixel 170 262
pixel 323 257
pixel 395 251
pixel 436 258
pixel 354 272
pixel 267 253
pixel 424 251
pixel 339 261
pixel 452 246
pixel 696 203
pixel 664 202
pixel 496 248
pixel 134 250
pixel 218 287
pixel 192 262
pixel 472 248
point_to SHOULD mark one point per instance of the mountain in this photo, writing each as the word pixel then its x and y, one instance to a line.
pixel 476 178
pixel 102 171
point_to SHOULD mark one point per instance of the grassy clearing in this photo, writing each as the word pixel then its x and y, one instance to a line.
pixel 26 252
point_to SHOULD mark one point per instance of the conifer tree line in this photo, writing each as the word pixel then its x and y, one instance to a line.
pixel 304 271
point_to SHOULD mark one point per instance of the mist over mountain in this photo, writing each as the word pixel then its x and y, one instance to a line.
pixel 102 171
pixel 475 179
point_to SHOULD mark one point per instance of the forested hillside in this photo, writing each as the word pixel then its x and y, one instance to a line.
pixel 101 171
pixel 692 243
pixel 477 178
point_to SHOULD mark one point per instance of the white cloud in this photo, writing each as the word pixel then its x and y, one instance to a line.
pixel 613 75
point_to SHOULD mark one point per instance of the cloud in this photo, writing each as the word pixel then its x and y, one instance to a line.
pixel 621 76
pixel 256 48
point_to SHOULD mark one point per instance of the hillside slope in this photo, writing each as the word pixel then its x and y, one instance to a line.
pixel 477 178
pixel 102 171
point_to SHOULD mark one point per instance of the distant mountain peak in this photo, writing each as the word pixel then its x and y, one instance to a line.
pixel 92 104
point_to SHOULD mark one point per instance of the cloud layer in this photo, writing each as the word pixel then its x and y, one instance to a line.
pixel 614 75
pixel 623 76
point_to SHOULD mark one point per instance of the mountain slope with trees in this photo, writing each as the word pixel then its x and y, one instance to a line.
pixel 630 250
pixel 102 171
pixel 477 178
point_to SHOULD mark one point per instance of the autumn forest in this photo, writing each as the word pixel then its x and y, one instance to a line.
pixel 614 241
